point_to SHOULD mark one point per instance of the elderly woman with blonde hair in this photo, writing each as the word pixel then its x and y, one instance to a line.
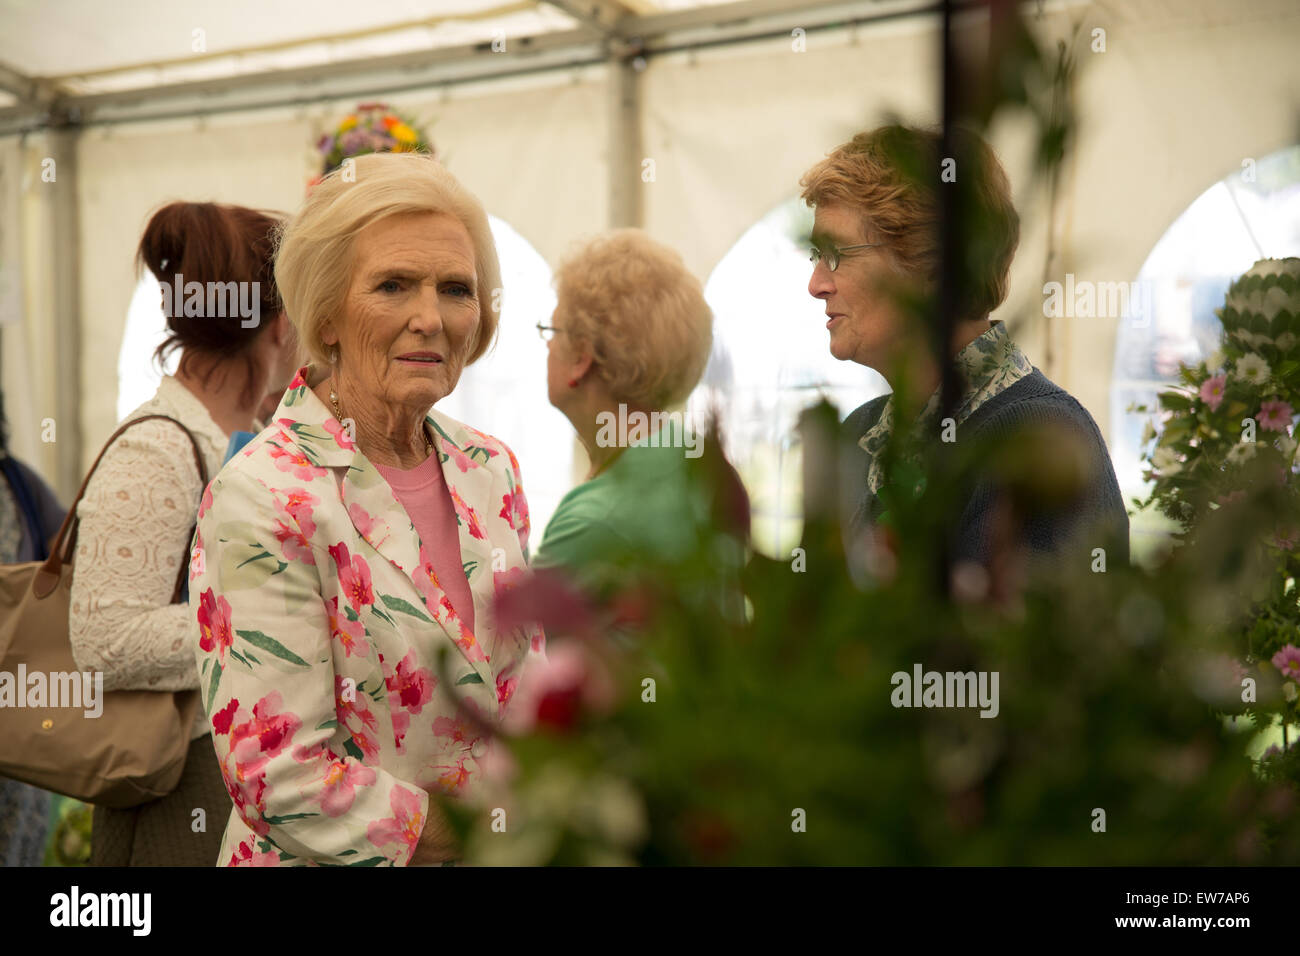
pixel 629 339
pixel 347 558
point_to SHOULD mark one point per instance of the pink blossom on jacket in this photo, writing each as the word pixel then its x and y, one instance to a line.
pixel 466 514
pixel 246 854
pixel 299 504
pixel 206 501
pixel 514 509
pixel 215 631
pixel 458 457
pixel 293 543
pixel 411 684
pixel 403 827
pixel 340 786
pixel 339 433
pixel 354 576
pixel 296 464
pixel 362 520
pixel 351 634
pixel 1274 415
pixel 1212 390
pixel 196 557
pixel 263 736
pixel 462 638
pixel 505 689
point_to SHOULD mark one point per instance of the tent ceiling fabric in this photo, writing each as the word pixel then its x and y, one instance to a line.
pixel 99 50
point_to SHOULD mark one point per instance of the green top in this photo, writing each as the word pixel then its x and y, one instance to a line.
pixel 643 506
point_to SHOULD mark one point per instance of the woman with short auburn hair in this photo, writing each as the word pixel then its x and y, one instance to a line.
pixel 348 558
pixel 875 249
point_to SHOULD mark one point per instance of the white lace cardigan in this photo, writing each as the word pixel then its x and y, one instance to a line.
pixel 136 518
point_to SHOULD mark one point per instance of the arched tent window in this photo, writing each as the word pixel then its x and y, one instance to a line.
pixel 503 393
pixel 771 359
pixel 1251 214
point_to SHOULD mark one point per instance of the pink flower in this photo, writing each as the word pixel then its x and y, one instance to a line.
pixel 246 854
pixel 196 557
pixel 466 515
pixel 458 457
pixel 339 789
pixel 1274 416
pixel 354 576
pixel 514 509
pixel 296 464
pixel 215 632
pixel 352 707
pixel 335 428
pixel 1288 539
pixel 559 690
pixel 362 520
pixel 263 736
pixel 206 501
pixel 222 719
pixel 351 634
pixel 299 504
pixel 1287 660
pixel 505 689
pixel 403 827
pixel 413 686
pixel 1212 390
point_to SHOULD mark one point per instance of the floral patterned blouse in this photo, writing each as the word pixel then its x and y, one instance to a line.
pixel 988 365
pixel 329 657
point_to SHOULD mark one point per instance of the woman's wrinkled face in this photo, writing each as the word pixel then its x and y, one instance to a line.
pixel 411 311
pixel 864 323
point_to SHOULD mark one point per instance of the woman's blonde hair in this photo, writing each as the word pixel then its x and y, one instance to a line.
pixel 891 177
pixel 642 312
pixel 314 259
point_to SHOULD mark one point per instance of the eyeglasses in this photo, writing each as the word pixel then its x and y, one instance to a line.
pixel 547 332
pixel 833 254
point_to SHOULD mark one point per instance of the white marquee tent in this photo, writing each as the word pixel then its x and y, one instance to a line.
pixel 550 111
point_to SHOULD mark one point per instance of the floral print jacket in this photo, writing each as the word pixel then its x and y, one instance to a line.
pixel 329 656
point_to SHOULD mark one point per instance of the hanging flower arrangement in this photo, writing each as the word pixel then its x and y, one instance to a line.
pixel 371 128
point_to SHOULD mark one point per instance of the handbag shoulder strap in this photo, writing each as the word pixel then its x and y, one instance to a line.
pixel 65 543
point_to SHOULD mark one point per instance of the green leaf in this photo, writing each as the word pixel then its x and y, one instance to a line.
pixel 212 686
pixel 404 607
pixel 470 679
pixel 239 657
pixel 272 646
pixel 370 861
pixel 353 750
pixel 276 821
pixel 329 724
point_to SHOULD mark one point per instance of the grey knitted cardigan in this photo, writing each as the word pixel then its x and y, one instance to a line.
pixel 1098 518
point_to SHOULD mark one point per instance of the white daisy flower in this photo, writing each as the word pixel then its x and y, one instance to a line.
pixel 1165 461
pixel 1253 369
pixel 1214 361
pixel 1241 453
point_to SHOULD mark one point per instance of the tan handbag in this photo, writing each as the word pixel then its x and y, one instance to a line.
pixel 132 752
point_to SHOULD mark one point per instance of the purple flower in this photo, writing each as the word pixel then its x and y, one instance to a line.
pixel 1287 660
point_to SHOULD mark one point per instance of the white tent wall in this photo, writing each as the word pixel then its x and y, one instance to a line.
pixel 531 154
pixel 1184 92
